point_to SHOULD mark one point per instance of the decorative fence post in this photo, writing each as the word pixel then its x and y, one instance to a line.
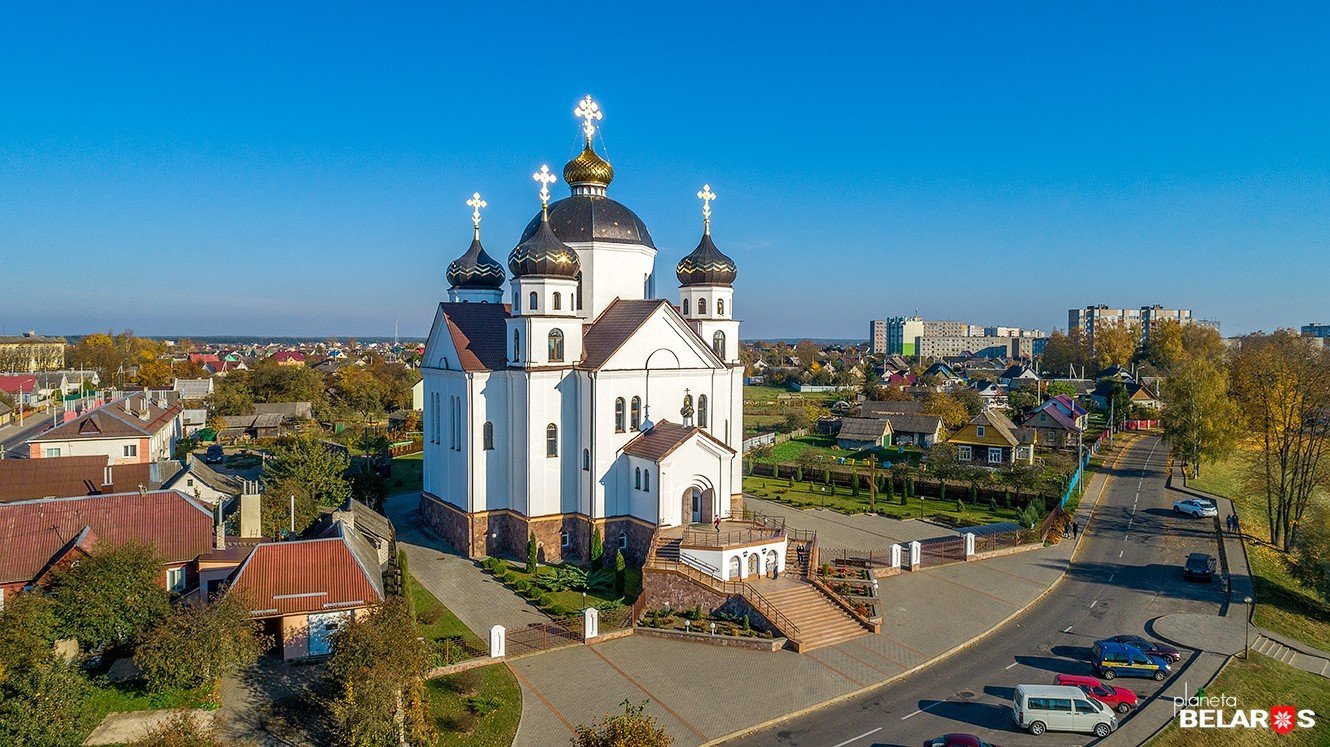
pixel 498 635
pixel 969 545
pixel 896 556
pixel 914 555
pixel 590 623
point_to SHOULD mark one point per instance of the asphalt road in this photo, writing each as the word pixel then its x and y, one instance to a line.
pixel 1127 572
pixel 12 436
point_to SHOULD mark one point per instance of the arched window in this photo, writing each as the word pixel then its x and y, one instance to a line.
pixel 619 415
pixel 646 479
pixel 556 345
pixel 701 307
pixel 586 460
pixel 532 301
pixel 718 344
pixel 558 300
pixel 685 307
pixel 577 297
pixel 635 415
pixel 487 436
pixel 720 307
pixel 517 302
pixel 637 478
pixel 702 410
pixel 517 345
pixel 551 440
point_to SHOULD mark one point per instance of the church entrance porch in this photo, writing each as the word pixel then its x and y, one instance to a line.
pixel 699 506
pixel 733 550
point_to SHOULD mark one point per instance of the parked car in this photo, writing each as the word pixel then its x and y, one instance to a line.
pixel 1152 648
pixel 958 740
pixel 1120 660
pixel 1040 708
pixel 1199 567
pixel 214 455
pixel 1196 508
pixel 1119 699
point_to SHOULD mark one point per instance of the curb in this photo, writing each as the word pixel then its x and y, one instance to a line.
pixel 935 660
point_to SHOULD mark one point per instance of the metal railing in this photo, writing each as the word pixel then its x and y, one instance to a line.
pixel 708 538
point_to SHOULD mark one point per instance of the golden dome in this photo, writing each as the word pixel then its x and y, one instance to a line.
pixel 588 168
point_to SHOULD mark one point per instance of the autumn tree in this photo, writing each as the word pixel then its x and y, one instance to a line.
pixel 113 356
pixel 1282 387
pixel 1200 419
pixel 632 728
pixel 1063 352
pixel 111 598
pixel 378 665
pixel 198 644
pixel 946 406
pixel 1115 344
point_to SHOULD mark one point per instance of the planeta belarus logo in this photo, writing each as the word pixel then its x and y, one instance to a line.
pixel 1204 711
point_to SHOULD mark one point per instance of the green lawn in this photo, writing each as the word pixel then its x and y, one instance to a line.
pixel 1261 683
pixel 456 704
pixel 408 474
pixel 814 495
pixel 569 601
pixel 104 698
pixel 1283 604
pixel 436 620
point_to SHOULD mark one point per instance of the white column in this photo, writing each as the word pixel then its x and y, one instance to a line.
pixel 969 545
pixel 497 639
pixel 590 623
pixel 914 555
pixel 895 556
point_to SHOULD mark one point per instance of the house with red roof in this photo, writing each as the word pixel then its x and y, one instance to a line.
pixel 289 358
pixel 136 429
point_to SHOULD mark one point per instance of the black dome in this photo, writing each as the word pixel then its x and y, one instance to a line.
pixel 541 253
pixel 475 269
pixel 706 265
pixel 588 217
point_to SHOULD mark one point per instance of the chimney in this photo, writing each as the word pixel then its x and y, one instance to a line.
pixel 107 477
pixel 218 528
pixel 250 510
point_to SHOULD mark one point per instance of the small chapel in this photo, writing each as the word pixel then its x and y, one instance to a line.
pixel 562 396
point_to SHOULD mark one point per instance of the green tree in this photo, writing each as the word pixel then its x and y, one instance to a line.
pixel 632 728
pixel 41 694
pixel 620 573
pixel 1021 400
pixel 1061 387
pixel 1200 420
pixel 597 550
pixel 378 668
pixel 310 462
pixel 531 554
pixel 230 395
pixel 112 597
pixel 359 390
pixel 1311 550
pixel 198 644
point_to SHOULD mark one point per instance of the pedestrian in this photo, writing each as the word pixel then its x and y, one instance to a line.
pixel 717 524
pixel 1236 528
pixel 1075 528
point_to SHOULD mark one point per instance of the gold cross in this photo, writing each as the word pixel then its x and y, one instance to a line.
pixel 475 203
pixel 546 179
pixel 706 196
pixel 588 111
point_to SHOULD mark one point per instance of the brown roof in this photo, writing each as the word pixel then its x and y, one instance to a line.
pixel 112 421
pixel 613 327
pixel 479 332
pixel 880 409
pixel 863 429
pixel 318 575
pixel 24 479
pixel 35 532
pixel 914 423
pixel 663 438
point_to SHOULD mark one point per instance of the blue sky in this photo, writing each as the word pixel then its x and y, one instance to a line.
pixel 303 170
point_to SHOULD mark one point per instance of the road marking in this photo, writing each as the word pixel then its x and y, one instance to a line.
pixel 921 710
pixel 1111 575
pixel 1014 663
pixel 1068 630
pixel 1120 553
pixel 1092 604
pixel 861 736
pixel 1126 537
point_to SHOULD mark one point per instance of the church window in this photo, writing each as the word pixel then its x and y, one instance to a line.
pixel 718 344
pixel 556 345
pixel 646 479
pixel 558 301
pixel 637 479
pixel 532 301
pixel 551 440
pixel 577 298
pixel 720 307
pixel 685 307
pixel 701 307
pixel 487 435
pixel 565 539
pixel 623 541
pixel 517 303
pixel 586 460
pixel 636 413
pixel 517 345
pixel 619 415
pixel 702 410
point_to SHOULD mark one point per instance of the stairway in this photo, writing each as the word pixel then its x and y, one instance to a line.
pixel 821 621
pixel 793 564
pixel 1291 657
pixel 669 550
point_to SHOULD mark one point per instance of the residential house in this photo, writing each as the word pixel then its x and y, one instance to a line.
pixel 289 358
pixel 863 433
pixel 29 479
pixel 192 390
pixel 236 427
pixel 6 414
pixel 875 409
pixel 914 430
pixel 990 439
pixel 1057 422
pixel 1138 394
pixel 201 481
pixel 1018 375
pixel 290 411
pixel 943 371
pixel 129 430
pixel 22 388
pixel 992 395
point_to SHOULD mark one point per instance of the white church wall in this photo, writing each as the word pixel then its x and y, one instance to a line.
pixel 613 270
pixel 551 399
pixel 492 469
pixel 698 463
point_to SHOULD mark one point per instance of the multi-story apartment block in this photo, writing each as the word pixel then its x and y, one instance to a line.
pixel 31 353
pixel 1316 330
pixel 1146 318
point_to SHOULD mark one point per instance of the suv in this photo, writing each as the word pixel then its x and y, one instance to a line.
pixel 1114 659
pixel 1196 508
pixel 214 455
pixel 1119 699
pixel 1199 567
pixel 1165 652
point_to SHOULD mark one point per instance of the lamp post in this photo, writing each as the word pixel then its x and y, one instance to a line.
pixel 1246 630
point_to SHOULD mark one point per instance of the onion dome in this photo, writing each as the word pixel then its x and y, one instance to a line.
pixel 475 269
pixel 706 265
pixel 586 218
pixel 588 169
pixel 541 253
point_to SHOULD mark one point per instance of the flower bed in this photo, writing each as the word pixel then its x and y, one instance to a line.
pixel 697 621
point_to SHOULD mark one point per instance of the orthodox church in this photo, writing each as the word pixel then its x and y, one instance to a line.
pixel 575 399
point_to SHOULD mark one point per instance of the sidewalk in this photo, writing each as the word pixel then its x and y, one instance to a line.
pixel 476 598
pixel 681 681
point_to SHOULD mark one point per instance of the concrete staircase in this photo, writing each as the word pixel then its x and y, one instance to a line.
pixel 1292 657
pixel 821 621
pixel 669 550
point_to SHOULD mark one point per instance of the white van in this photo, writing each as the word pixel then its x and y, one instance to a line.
pixel 1041 708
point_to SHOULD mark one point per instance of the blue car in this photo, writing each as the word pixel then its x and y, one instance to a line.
pixel 1120 660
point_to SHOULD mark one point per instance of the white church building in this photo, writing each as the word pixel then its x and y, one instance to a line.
pixel 563 396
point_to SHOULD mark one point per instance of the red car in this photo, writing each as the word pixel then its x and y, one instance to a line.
pixel 1119 699
pixel 957 740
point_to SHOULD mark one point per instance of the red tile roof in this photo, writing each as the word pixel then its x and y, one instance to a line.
pixel 13 384
pixel 33 533
pixel 25 479
pixel 320 575
pixel 613 327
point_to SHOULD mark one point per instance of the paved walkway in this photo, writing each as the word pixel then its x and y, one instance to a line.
pixel 927 614
pixel 473 595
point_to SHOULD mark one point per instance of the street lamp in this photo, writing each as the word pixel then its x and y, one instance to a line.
pixel 1246 630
